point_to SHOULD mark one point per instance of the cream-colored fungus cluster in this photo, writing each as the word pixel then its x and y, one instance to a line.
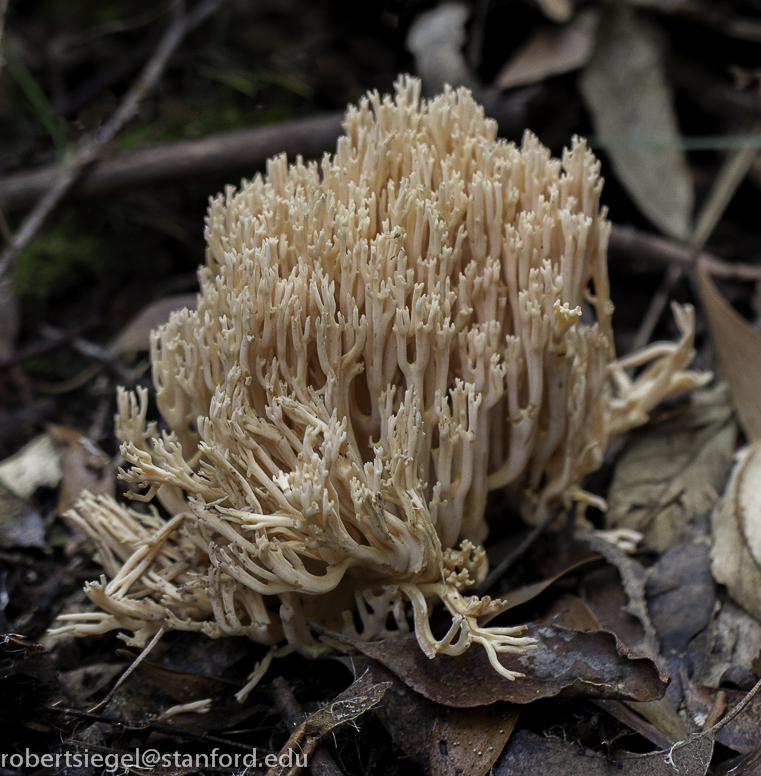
pixel 381 339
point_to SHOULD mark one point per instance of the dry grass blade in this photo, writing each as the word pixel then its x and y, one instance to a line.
pixel 738 348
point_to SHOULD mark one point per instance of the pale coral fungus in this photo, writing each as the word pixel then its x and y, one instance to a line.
pixel 381 339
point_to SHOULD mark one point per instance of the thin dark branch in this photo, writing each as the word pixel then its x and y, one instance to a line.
pixel 228 153
pixel 216 156
pixel 650 252
pixel 40 348
pixel 181 24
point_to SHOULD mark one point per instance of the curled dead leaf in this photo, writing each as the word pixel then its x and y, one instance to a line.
pixel 566 663
pixel 736 523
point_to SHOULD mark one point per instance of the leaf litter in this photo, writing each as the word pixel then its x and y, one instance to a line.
pixel 667 609
pixel 736 521
pixel 672 472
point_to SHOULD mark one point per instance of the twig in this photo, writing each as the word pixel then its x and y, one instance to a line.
pixel 40 348
pixel 321 763
pixel 219 155
pixel 737 709
pixel 657 305
pixel 181 24
pixel 225 153
pixel 135 663
pixel 3 11
pixel 732 173
pixel 509 560
pixel 651 251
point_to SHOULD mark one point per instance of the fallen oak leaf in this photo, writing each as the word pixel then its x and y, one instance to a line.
pixel 551 50
pixel 669 473
pixel 408 717
pixel 566 663
pixel 523 595
pixel 627 92
pixel 633 579
pixel 553 757
pixel 136 334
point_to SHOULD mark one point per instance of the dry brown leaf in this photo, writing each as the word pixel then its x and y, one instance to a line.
pixel 603 592
pixel 630 101
pixel 10 318
pixel 671 473
pixel 569 611
pixel 442 741
pixel 470 740
pixel 736 523
pixel 633 579
pixel 183 686
pixel 662 715
pixel 37 464
pixel 743 733
pixel 734 637
pixel 435 38
pixel 738 348
pixel 566 663
pixel 631 719
pixel 136 335
pixel 522 595
pixel 550 51
pixel 84 682
pixel 85 467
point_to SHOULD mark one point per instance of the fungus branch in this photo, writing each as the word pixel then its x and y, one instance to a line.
pixel 381 339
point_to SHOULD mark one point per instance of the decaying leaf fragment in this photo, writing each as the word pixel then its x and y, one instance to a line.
pixel 736 523
pixel 671 473
pixel 441 740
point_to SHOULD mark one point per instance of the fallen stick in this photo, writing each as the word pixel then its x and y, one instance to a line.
pixel 222 155
pixel 218 155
